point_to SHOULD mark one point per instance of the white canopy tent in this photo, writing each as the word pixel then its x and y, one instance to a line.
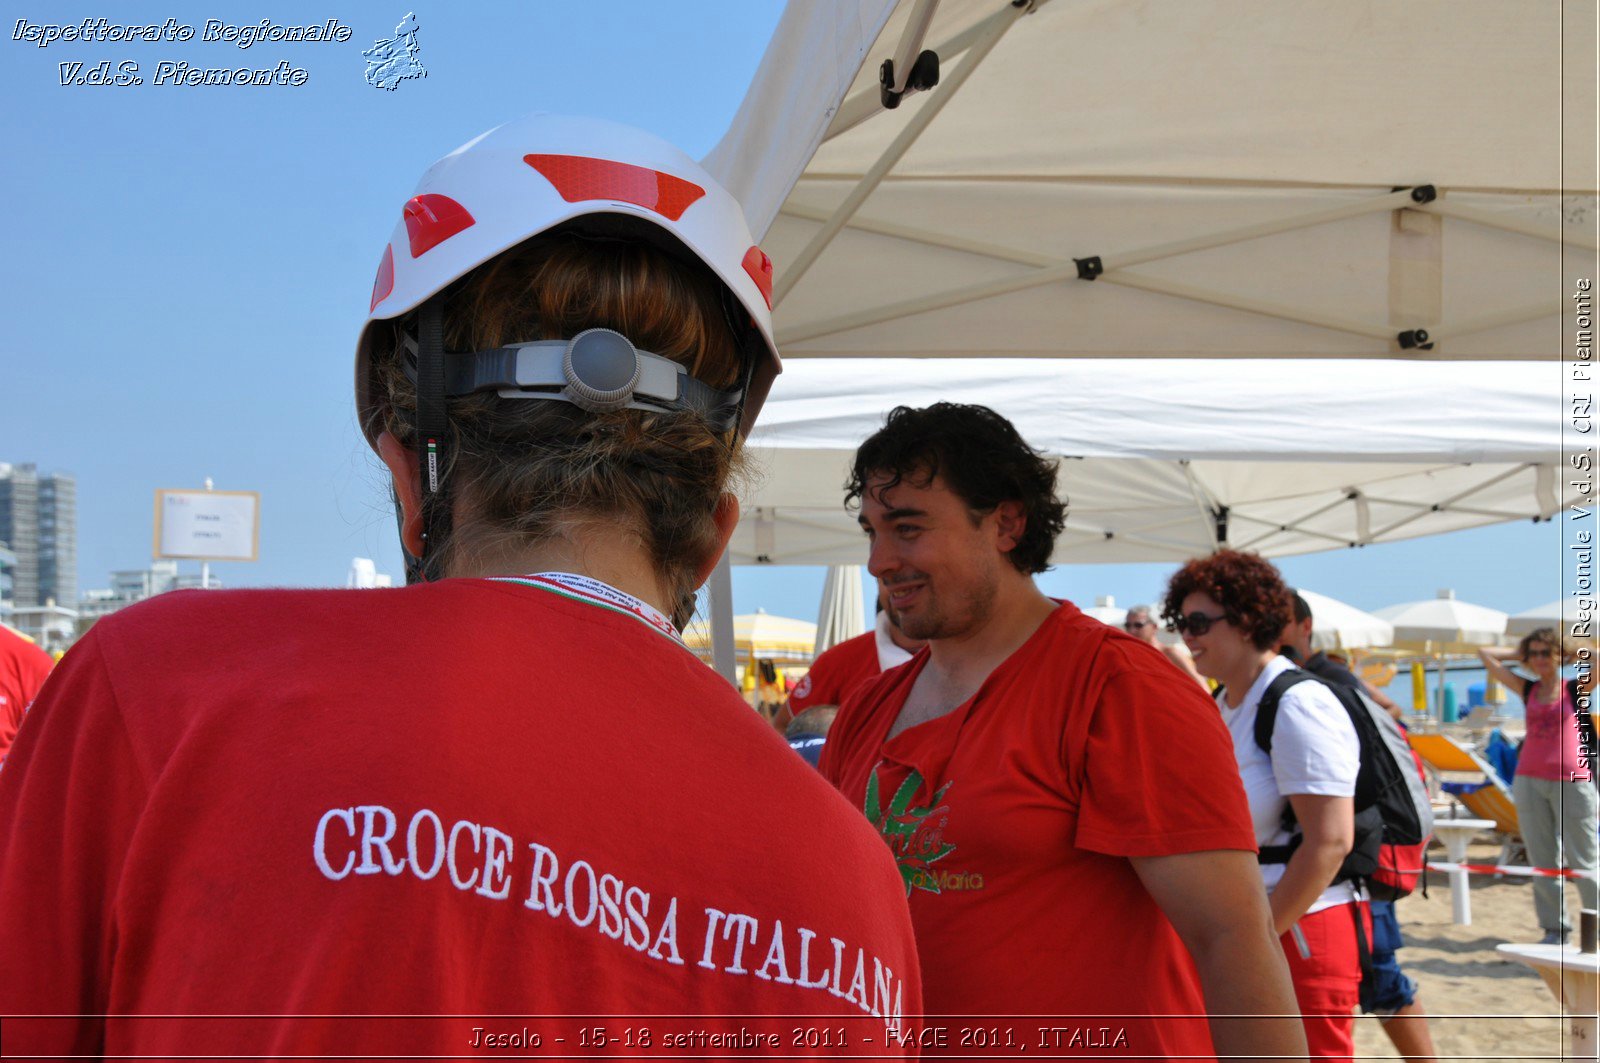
pixel 1167 460
pixel 1176 179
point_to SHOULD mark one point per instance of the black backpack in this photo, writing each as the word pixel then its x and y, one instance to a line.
pixel 1391 802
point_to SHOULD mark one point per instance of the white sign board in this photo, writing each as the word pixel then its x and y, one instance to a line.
pixel 208 525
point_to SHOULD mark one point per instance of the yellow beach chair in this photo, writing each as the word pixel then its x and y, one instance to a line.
pixel 1449 761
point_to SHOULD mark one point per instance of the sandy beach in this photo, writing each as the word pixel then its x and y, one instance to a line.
pixel 1480 1006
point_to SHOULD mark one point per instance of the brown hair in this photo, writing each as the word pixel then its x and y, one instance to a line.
pixel 1546 635
pixel 523 471
pixel 1247 586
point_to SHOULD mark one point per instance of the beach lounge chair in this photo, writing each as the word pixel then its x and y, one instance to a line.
pixel 1472 780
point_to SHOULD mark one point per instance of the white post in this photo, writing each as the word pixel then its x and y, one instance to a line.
pixel 205 566
pixel 720 593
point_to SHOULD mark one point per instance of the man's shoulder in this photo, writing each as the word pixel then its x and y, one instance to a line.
pixel 1329 670
pixel 23 651
pixel 848 652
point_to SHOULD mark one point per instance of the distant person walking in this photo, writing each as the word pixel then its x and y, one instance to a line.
pixel 1554 786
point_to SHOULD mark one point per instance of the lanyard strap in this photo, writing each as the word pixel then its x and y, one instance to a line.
pixel 586 589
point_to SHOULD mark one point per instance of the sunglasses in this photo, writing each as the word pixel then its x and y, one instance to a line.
pixel 1195 623
pixel 1135 625
pixel 1531 654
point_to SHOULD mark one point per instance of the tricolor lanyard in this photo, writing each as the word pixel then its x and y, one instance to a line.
pixel 585 589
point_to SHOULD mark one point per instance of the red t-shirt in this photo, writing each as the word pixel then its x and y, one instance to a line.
pixel 839 670
pixel 23 667
pixel 454 799
pixel 1013 817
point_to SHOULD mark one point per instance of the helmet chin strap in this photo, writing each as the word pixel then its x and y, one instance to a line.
pixel 433 429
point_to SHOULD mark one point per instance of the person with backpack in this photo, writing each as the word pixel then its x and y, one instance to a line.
pixel 1231 608
pixel 1386 991
pixel 1555 782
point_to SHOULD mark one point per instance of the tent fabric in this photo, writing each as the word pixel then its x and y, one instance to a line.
pixel 1296 456
pixel 1111 127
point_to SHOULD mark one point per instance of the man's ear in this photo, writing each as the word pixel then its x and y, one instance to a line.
pixel 726 518
pixel 1011 523
pixel 403 469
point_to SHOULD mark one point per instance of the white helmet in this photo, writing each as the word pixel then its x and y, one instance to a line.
pixel 536 173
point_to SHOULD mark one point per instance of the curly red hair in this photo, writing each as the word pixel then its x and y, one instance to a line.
pixel 1247 586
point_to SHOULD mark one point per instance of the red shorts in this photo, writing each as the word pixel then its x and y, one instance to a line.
pixel 1327 984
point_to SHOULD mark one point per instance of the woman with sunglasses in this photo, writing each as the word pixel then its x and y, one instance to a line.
pixel 1231 609
pixel 1554 786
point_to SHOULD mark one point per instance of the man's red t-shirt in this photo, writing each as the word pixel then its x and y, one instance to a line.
pixel 836 672
pixel 1012 819
pixel 454 799
pixel 23 667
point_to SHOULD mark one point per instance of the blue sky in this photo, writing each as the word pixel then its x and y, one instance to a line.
pixel 188 268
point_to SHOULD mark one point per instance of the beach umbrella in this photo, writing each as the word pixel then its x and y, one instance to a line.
pixel 1106 610
pixel 840 617
pixel 1338 626
pixel 1444 625
pixel 1557 614
pixel 757 635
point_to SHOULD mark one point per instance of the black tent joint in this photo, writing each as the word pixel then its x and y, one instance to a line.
pixel 924 75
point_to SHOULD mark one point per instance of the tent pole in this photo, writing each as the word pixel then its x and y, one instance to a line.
pixel 1355 209
pixel 897 148
pixel 1204 502
pixel 910 46
pixel 1255 306
pixel 1293 525
pixel 1423 511
pixel 720 588
pixel 936 301
pixel 869 104
pixel 1049 270
pixel 1039 278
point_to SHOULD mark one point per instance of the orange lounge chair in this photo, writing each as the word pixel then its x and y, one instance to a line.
pixel 1444 756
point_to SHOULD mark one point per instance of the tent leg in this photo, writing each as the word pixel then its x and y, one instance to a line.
pixel 720 588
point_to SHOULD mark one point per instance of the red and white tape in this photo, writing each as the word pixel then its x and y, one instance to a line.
pixel 1507 869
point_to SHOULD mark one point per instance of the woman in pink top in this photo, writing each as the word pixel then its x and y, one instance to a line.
pixel 1554 787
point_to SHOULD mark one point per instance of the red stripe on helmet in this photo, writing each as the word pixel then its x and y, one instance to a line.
pixel 432 219
pixel 578 178
pixel 383 284
pixel 759 266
